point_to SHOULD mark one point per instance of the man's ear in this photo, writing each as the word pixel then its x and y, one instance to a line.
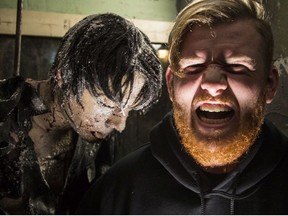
pixel 273 80
pixel 59 78
pixel 169 82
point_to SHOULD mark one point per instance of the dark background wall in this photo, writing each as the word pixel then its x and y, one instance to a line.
pixel 278 110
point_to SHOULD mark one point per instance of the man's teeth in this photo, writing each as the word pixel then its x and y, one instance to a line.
pixel 215 108
pixel 215 113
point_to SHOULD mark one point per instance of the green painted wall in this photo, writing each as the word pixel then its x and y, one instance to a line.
pixel 162 10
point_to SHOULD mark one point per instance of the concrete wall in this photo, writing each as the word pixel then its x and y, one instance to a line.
pixel 161 10
pixel 53 18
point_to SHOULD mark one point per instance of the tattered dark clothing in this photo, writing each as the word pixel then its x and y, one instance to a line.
pixel 20 174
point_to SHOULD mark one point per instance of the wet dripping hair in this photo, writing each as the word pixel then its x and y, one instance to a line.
pixel 102 53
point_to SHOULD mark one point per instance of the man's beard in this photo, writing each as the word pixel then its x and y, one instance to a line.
pixel 219 150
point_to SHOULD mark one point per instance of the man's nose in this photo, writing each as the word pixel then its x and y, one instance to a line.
pixel 214 81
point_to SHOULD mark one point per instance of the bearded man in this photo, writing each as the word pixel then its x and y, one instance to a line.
pixel 214 153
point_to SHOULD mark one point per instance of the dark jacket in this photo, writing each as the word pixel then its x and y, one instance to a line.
pixel 20 174
pixel 161 178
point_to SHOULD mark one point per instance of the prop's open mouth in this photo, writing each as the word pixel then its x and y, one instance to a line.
pixel 214 113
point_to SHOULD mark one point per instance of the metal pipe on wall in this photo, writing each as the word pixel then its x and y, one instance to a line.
pixel 17 53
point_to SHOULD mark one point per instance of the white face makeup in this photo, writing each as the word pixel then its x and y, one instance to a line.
pixel 99 116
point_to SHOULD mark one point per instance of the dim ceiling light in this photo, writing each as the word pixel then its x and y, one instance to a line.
pixel 162 51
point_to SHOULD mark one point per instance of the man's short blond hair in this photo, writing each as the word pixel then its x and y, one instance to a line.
pixel 211 12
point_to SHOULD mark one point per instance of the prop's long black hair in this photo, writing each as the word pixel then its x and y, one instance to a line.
pixel 101 50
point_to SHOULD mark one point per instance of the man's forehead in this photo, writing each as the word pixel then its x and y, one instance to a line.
pixel 234 39
pixel 232 30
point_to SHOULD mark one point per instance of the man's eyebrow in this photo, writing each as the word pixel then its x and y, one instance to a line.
pixel 247 61
pixel 189 60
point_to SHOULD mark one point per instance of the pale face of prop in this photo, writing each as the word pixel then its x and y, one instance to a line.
pixel 99 116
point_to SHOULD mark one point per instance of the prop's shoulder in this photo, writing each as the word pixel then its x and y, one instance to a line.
pixel 10 94
pixel 15 92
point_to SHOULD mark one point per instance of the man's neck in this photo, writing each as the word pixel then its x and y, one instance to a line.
pixel 220 169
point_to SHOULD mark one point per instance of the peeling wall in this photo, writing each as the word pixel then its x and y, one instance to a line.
pixel 52 18
pixel 161 10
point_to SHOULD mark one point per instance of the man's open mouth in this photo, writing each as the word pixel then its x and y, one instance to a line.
pixel 214 113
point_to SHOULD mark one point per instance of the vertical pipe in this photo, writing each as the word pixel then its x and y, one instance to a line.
pixel 18 38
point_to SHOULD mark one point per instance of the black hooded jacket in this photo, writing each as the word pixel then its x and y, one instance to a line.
pixel 161 178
